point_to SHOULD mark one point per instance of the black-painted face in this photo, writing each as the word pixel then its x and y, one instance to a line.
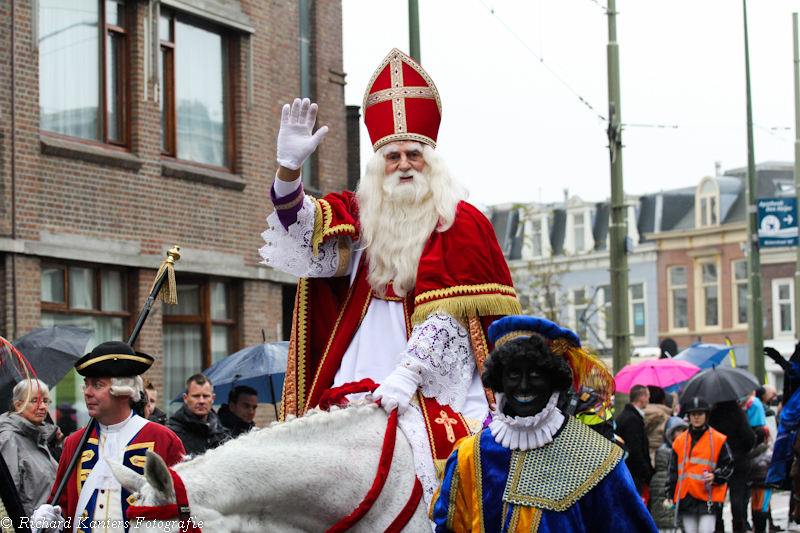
pixel 527 391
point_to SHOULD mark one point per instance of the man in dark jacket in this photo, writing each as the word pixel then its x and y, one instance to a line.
pixel 196 423
pixel 237 415
pixel 630 428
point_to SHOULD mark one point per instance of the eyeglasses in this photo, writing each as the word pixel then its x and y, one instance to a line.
pixel 37 402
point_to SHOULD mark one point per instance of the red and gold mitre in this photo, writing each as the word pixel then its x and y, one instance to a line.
pixel 401 103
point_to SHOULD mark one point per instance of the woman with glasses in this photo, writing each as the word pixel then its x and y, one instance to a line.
pixel 25 442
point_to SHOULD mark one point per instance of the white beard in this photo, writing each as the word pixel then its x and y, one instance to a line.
pixel 397 219
pixel 398 228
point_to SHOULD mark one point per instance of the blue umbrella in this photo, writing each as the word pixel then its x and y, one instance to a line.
pixel 705 355
pixel 262 367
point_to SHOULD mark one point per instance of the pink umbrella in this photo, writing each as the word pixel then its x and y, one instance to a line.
pixel 659 372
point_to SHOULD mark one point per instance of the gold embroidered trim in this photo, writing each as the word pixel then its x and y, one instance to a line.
pixel 404 137
pixel 115 356
pixel 302 333
pixel 407 315
pixel 591 458
pixel 476 452
pixel 480 349
pixel 558 346
pixel 288 399
pixel 458 306
pixel 464 289
pixel 293 203
pixel 430 430
pixel 514 519
pixel 455 483
pixel 316 236
pixel 537 519
pixel 325 221
pixel 142 445
pixel 344 257
pixel 131 499
pixel 402 92
pixel 138 461
pixel 398 103
pixel 411 63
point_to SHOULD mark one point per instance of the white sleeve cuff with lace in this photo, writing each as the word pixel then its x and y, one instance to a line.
pixel 440 351
pixel 291 251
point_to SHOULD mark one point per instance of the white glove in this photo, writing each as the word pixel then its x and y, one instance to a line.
pixel 397 389
pixel 46 516
pixel 295 141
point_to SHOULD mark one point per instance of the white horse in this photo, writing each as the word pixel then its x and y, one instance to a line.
pixel 303 475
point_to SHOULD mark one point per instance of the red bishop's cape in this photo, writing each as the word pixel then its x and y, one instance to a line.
pixel 152 436
pixel 462 272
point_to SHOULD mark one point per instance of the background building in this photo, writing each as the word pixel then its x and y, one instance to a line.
pixel 127 127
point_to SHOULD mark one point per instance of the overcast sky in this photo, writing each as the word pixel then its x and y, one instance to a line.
pixel 514 131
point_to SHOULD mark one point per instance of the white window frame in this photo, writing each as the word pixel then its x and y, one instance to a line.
pixel 777 332
pixel 576 308
pixel 640 340
pixel 735 293
pixel 575 229
pixel 671 299
pixel 711 199
pixel 700 293
pixel 603 304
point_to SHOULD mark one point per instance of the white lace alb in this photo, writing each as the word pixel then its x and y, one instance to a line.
pixel 525 433
pixel 440 351
pixel 291 251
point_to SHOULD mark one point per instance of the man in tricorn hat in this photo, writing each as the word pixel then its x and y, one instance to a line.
pixel 96 501
pixel 535 468
pixel 398 280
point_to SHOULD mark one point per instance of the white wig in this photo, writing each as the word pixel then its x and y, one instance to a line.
pixel 127 386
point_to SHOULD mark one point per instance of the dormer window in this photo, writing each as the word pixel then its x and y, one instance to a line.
pixel 707 203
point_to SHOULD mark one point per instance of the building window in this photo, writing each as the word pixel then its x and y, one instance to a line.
pixel 536 237
pixel 83 69
pixel 197 332
pixel 578 312
pixel 195 100
pixel 708 291
pixel 739 292
pixel 87 297
pixel 783 308
pixel 678 291
pixel 603 301
pixel 637 310
pixel 708 203
pixel 579 226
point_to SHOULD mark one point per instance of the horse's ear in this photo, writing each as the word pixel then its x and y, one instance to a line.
pixel 157 474
pixel 126 477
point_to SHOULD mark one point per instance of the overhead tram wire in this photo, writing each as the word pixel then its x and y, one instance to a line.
pixel 586 102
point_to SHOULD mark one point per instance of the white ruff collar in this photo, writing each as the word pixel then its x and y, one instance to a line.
pixel 525 433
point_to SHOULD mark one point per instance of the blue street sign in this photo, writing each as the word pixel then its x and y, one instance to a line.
pixel 777 222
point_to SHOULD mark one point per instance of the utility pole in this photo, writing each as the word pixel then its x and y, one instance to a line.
pixel 796 165
pixel 618 230
pixel 755 337
pixel 413 30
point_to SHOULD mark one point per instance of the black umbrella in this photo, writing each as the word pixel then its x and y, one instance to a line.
pixel 50 352
pixel 720 384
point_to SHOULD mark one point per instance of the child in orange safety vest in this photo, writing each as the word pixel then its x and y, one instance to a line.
pixel 699 468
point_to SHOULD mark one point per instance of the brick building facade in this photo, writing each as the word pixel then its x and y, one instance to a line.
pixel 166 137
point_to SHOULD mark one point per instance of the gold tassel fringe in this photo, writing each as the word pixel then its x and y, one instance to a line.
pixel 316 238
pixel 169 290
pixel 461 306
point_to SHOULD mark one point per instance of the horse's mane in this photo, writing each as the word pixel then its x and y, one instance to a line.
pixel 338 418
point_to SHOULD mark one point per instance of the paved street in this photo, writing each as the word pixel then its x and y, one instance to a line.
pixel 780 512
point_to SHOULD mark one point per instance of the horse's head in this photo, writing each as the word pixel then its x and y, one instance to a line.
pixel 155 489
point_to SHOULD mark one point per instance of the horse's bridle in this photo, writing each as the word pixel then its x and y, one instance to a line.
pixel 180 509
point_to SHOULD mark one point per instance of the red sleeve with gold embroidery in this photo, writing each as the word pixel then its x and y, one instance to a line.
pixel 463 272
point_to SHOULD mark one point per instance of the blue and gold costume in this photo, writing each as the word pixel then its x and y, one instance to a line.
pixel 578 482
